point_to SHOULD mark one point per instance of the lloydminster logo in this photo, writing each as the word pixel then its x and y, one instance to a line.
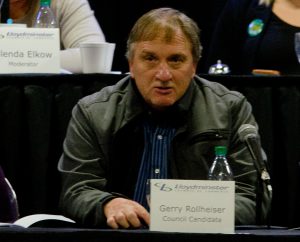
pixel 163 187
pixel 27 35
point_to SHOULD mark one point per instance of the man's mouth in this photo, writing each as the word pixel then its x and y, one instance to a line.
pixel 163 90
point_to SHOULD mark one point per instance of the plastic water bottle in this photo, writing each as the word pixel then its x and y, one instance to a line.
pixel 45 17
pixel 220 169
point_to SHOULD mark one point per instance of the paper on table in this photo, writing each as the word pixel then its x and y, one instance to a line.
pixel 30 220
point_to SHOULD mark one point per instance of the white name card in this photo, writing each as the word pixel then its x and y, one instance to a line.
pixel 192 206
pixel 29 50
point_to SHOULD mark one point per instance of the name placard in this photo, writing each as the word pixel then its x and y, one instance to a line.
pixel 194 206
pixel 29 50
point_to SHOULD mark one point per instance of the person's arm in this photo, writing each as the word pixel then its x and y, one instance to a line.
pixel 77 24
pixel 125 213
pixel 83 166
pixel 83 169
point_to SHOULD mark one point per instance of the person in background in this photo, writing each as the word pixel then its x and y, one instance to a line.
pixel 75 20
pixel 256 36
pixel 160 121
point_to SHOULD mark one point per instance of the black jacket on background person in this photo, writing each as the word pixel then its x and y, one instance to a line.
pixel 230 42
pixel 104 144
pixel 250 36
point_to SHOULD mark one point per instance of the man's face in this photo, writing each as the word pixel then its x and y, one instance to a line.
pixel 162 71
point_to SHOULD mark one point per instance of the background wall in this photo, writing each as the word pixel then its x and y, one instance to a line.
pixel 117 17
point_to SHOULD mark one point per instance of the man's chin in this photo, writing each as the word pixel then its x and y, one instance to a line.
pixel 162 105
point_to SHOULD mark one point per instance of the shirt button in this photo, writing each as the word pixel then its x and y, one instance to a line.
pixel 159 136
pixel 156 171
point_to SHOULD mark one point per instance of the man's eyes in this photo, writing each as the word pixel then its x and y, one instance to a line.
pixel 176 59
pixel 171 59
pixel 150 58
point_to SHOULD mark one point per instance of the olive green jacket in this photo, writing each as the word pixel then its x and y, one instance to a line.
pixel 104 144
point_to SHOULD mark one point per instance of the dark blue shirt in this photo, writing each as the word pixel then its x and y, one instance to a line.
pixel 154 162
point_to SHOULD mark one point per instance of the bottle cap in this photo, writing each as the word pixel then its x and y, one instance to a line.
pixel 45 2
pixel 220 150
pixel 9 21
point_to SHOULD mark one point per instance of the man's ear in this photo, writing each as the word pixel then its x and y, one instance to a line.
pixel 131 69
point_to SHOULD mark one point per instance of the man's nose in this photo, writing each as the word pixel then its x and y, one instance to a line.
pixel 163 73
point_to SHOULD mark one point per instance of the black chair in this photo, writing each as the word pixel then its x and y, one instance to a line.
pixel 9 211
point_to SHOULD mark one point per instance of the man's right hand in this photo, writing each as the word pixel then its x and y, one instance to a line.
pixel 125 213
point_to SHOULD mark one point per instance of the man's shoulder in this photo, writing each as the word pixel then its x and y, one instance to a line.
pixel 216 88
pixel 106 93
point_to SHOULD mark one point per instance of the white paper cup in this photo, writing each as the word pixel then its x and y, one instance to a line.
pixel 97 57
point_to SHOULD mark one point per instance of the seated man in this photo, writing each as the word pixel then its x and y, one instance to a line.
pixel 161 121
